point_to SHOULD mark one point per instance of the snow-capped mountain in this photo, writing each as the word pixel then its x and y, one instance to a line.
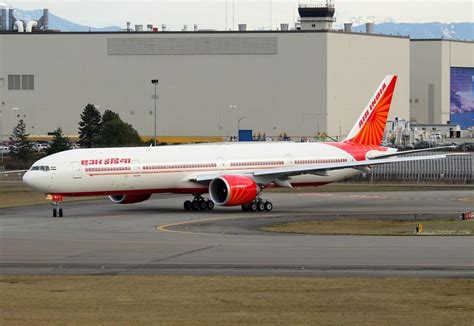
pixel 58 23
pixel 455 31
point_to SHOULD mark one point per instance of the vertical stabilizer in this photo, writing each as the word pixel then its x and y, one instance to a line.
pixel 370 126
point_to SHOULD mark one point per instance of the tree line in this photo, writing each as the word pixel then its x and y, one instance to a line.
pixel 95 130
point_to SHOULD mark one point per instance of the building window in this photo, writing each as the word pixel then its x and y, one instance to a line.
pixel 27 82
pixel 21 82
pixel 13 82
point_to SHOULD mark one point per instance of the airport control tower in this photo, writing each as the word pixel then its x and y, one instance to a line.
pixel 317 15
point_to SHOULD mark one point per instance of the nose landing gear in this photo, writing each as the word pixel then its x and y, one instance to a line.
pixel 198 204
pixel 258 204
pixel 57 210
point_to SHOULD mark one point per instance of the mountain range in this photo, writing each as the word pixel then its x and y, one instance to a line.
pixel 454 31
pixel 435 30
pixel 59 23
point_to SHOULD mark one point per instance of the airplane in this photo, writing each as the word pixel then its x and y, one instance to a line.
pixel 233 174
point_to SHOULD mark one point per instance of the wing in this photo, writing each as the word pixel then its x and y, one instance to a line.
pixel 412 151
pixel 280 175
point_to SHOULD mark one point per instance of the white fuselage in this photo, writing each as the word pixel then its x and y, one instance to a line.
pixel 171 168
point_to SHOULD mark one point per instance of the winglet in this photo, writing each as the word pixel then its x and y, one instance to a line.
pixel 370 126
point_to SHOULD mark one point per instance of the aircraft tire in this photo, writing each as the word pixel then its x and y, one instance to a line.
pixel 55 213
pixel 188 205
pixel 253 206
pixel 260 206
pixel 210 205
pixel 202 205
pixel 60 212
pixel 268 206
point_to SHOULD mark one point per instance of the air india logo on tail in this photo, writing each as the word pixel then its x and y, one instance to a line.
pixel 371 124
pixel 372 105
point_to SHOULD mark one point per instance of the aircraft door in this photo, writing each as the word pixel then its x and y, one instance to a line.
pixel 221 164
pixel 136 168
pixel 288 160
pixel 76 170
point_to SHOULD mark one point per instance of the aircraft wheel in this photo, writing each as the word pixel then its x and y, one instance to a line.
pixel 188 205
pixel 55 213
pixel 260 206
pixel 253 206
pixel 202 205
pixel 195 205
pixel 245 207
pixel 268 206
pixel 60 211
pixel 210 204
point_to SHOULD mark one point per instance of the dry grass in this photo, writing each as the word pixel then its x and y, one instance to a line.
pixel 370 227
pixel 58 300
pixel 17 193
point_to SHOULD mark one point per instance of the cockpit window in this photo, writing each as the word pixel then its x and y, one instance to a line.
pixel 40 168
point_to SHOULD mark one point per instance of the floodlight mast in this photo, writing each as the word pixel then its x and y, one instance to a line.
pixel 155 83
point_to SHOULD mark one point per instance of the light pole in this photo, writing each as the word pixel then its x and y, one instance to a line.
pixel 155 83
pixel 238 127
pixel 233 107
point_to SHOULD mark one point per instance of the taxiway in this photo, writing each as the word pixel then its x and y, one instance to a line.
pixel 158 237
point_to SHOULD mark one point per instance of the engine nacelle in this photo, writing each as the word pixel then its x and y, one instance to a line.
pixel 129 199
pixel 233 190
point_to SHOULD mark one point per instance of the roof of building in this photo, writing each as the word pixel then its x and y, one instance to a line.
pixel 202 32
pixel 439 40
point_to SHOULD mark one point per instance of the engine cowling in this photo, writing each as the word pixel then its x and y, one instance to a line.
pixel 233 190
pixel 129 199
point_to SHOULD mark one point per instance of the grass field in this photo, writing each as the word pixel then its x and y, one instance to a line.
pixel 374 227
pixel 16 193
pixel 90 300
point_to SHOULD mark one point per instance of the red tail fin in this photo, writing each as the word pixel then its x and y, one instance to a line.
pixel 369 129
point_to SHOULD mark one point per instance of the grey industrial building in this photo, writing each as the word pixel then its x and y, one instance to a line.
pixel 299 82
pixel 433 66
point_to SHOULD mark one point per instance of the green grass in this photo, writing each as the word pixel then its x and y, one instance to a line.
pixel 219 300
pixel 373 227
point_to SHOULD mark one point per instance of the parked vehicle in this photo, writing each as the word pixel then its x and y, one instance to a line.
pixel 40 147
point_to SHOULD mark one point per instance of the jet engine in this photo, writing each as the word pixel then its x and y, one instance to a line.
pixel 233 190
pixel 129 199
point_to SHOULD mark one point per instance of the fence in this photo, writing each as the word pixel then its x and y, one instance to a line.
pixel 453 169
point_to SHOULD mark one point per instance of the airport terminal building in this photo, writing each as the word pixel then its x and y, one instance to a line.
pixel 296 82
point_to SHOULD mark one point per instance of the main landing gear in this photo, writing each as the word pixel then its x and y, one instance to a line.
pixel 198 204
pixel 57 210
pixel 258 205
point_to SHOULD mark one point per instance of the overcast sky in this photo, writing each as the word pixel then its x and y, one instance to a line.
pixel 255 13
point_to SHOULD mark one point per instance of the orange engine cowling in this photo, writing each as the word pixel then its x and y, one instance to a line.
pixel 129 199
pixel 233 190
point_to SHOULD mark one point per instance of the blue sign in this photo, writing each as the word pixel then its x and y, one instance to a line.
pixel 462 97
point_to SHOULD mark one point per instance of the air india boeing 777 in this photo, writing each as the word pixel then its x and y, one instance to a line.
pixel 232 174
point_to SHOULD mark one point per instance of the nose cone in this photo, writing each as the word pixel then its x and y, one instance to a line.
pixel 34 179
pixel 27 178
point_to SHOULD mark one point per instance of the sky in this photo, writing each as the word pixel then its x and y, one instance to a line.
pixel 255 13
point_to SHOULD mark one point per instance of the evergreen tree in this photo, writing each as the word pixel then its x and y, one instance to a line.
pixel 22 146
pixel 115 132
pixel 60 142
pixel 89 127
